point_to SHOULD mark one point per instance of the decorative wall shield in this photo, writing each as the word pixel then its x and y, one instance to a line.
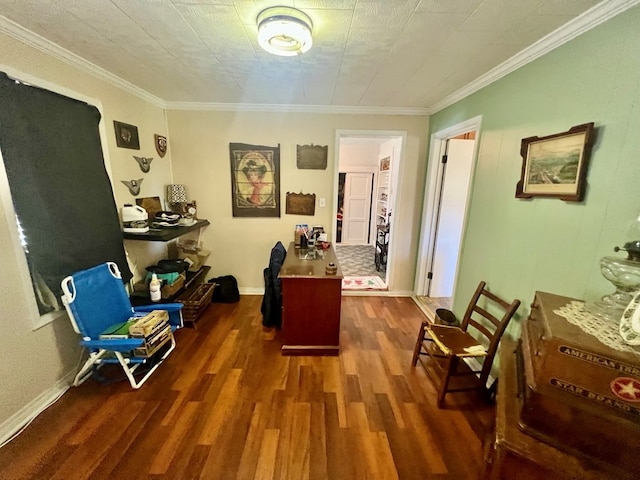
pixel 301 203
pixel 255 180
pixel 313 157
pixel 161 144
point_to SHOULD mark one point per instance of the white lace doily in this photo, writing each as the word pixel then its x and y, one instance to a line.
pixel 603 330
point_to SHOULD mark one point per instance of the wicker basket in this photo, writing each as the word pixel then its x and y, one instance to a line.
pixel 195 301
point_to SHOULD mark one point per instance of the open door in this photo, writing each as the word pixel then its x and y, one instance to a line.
pixel 456 173
pixel 452 158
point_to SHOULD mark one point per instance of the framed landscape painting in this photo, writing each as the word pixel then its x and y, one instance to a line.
pixel 556 165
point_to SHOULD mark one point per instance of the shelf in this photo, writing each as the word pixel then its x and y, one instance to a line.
pixel 193 278
pixel 164 234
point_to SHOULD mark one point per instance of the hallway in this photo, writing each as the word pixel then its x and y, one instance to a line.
pixel 358 260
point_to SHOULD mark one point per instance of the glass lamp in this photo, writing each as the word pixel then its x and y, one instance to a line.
pixel 624 273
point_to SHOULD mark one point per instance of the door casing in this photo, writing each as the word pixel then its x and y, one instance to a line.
pixel 430 201
pixel 397 168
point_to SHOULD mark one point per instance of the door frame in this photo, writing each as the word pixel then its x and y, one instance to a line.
pixel 396 173
pixel 437 147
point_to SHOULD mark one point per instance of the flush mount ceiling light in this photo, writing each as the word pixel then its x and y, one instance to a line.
pixel 284 31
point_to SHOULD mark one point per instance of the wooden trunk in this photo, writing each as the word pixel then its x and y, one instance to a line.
pixel 571 394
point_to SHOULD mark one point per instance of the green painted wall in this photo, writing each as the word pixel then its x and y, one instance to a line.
pixel 520 246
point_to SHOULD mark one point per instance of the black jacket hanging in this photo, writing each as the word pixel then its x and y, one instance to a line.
pixel 272 301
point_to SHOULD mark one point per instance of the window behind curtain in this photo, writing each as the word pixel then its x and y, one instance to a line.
pixel 60 189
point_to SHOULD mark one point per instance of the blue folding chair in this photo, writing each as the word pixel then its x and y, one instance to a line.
pixel 96 299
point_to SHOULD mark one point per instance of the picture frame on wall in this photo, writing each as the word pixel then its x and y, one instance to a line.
pixel 255 180
pixel 126 135
pixel 555 166
pixel 312 157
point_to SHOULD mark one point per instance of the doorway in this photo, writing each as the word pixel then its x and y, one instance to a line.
pixel 451 164
pixel 363 158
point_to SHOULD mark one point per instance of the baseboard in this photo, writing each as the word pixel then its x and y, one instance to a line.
pixel 251 291
pixel 345 293
pixel 34 408
pixel 376 293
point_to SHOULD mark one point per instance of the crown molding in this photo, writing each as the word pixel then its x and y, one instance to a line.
pixel 38 42
pixel 289 108
pixel 591 18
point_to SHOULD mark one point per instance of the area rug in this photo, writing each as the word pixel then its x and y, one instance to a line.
pixel 363 283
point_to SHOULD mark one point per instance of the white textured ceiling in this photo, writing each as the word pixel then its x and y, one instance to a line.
pixel 366 53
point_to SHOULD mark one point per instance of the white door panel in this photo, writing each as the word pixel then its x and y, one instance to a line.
pixel 457 174
pixel 357 208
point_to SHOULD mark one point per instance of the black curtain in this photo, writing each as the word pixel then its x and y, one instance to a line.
pixel 59 185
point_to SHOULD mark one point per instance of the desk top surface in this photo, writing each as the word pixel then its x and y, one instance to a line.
pixel 309 263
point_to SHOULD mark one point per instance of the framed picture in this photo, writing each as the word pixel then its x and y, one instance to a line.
pixel 255 180
pixel 556 165
pixel 300 203
pixel 313 157
pixel 151 204
pixel 126 135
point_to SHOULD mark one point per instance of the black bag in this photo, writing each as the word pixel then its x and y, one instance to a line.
pixel 226 290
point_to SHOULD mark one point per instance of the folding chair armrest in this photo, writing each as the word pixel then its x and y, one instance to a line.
pixel 114 344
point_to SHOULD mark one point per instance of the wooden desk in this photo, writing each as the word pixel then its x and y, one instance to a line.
pixel 537 460
pixel 311 302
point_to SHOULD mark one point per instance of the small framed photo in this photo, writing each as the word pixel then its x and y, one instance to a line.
pixel 126 135
pixel 556 165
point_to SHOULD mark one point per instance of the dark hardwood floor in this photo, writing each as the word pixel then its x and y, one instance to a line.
pixel 227 405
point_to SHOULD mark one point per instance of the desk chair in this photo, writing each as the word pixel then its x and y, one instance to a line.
pixel 443 350
pixel 95 300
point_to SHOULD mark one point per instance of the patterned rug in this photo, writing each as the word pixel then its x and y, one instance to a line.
pixel 363 283
pixel 358 260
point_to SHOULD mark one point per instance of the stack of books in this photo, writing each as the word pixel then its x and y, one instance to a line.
pixel 154 328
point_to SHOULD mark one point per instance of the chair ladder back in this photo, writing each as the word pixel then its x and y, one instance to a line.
pixel 481 328
pixel 495 341
pixel 500 324
pixel 472 303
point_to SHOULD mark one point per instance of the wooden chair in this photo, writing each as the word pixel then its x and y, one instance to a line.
pixel 443 350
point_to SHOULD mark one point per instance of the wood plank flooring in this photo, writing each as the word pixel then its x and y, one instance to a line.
pixel 227 405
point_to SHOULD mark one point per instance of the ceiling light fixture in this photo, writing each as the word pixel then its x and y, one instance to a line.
pixel 284 31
